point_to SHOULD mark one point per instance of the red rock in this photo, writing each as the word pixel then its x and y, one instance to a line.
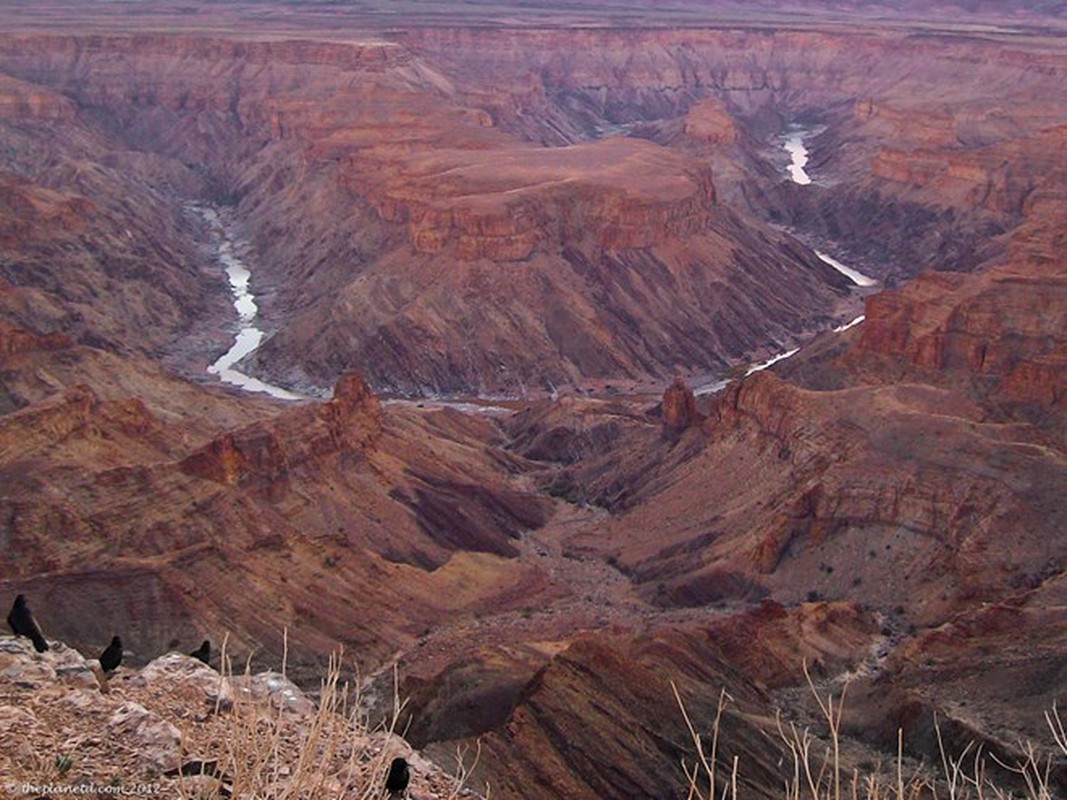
pixel 263 453
pixel 679 406
pixel 1002 324
pixel 22 100
pixel 709 121
pixel 15 340
pixel 413 226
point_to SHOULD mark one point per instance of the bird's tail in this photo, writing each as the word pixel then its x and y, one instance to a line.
pixel 39 644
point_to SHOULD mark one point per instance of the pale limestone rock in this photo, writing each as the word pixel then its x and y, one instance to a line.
pixel 10 645
pixel 83 700
pixel 191 675
pixel 276 689
pixel 26 673
pixel 156 741
pixel 72 668
pixel 25 667
pixel 80 676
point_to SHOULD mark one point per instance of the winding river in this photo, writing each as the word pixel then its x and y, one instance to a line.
pixel 248 336
pixel 794 145
pixel 855 276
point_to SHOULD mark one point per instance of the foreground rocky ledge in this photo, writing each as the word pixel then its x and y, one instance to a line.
pixel 176 727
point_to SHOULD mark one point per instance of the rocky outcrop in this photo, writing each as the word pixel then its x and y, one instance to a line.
pixel 679 406
pixel 178 726
pixel 623 193
pixel 915 488
pixel 998 179
pixel 1006 325
pixel 265 452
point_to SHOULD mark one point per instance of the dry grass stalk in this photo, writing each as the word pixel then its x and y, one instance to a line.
pixel 707 761
pixel 817 772
pixel 464 771
pixel 272 753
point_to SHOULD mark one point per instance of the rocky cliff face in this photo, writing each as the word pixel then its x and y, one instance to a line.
pixel 947 183
pixel 379 180
pixel 420 193
pixel 875 475
pixel 94 248
pixel 1004 327
pixel 181 510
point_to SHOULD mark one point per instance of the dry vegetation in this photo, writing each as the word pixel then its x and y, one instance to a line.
pixel 177 728
pixel 817 772
pixel 337 752
pixel 333 752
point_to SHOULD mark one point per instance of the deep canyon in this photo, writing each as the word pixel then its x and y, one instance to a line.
pixel 492 252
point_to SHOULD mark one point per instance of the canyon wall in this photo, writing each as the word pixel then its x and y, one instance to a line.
pixel 157 504
pixel 384 181
pixel 886 505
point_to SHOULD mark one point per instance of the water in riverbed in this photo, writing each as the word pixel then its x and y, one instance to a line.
pixel 248 336
pixel 794 145
pixel 798 153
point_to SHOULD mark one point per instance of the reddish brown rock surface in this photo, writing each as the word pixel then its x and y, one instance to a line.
pixel 380 178
pixel 679 406
pixel 166 503
pixel 525 208
pixel 414 195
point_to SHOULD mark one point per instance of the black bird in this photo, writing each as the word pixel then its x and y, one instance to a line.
pixel 23 624
pixel 399 775
pixel 112 655
pixel 203 652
